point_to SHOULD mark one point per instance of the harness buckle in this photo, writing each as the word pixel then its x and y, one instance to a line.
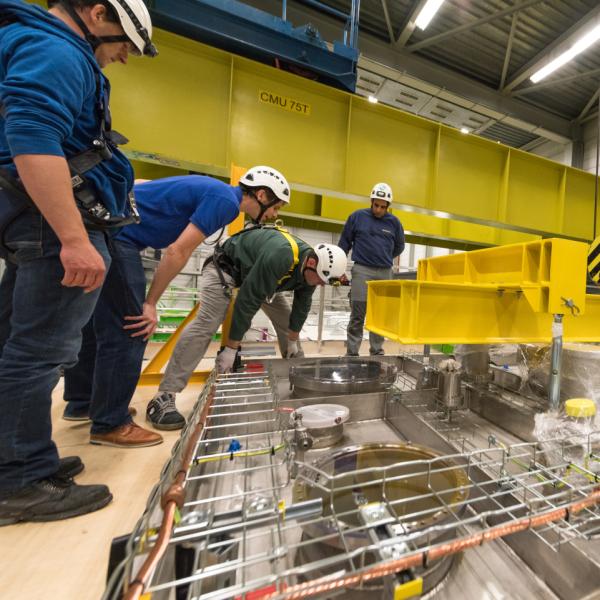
pixel 102 148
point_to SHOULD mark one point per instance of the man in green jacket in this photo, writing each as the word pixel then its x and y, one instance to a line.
pixel 262 262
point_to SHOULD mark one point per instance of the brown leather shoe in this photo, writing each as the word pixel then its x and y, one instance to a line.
pixel 127 436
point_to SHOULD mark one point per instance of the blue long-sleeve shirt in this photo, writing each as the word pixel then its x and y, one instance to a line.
pixel 374 242
pixel 49 100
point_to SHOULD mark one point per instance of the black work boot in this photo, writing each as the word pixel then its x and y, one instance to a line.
pixel 68 467
pixel 52 499
pixel 163 413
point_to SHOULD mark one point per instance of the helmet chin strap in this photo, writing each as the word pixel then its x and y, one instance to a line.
pixel 263 208
pixel 93 40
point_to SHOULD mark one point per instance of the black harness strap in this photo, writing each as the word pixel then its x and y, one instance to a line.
pixel 221 266
pixel 94 214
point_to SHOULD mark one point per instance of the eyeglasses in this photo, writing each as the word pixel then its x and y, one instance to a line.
pixel 149 48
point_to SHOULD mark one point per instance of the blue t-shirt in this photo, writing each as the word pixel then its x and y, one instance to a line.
pixel 374 242
pixel 168 205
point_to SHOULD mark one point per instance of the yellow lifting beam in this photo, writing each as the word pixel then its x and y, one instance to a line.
pixel 507 294
pixel 544 269
pixel 152 374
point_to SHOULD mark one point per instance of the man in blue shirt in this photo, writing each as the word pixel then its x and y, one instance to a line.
pixel 375 237
pixel 177 213
pixel 61 172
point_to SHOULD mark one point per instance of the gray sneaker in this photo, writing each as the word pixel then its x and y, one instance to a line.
pixel 163 413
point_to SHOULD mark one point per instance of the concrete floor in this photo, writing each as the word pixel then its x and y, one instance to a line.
pixel 68 559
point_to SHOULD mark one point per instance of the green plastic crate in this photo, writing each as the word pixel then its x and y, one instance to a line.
pixel 445 348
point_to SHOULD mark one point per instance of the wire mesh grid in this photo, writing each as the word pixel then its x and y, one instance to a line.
pixel 449 424
pixel 560 461
pixel 259 521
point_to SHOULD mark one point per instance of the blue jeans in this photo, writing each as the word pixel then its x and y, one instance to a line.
pixel 110 361
pixel 40 331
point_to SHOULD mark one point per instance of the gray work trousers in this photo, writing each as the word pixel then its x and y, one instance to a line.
pixel 358 309
pixel 196 337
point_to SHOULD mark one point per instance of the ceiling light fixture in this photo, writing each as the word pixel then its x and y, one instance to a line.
pixel 427 13
pixel 373 100
pixel 465 130
pixel 578 47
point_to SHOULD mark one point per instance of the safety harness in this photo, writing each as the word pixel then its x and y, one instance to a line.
pixel 223 263
pixel 14 200
pixel 295 253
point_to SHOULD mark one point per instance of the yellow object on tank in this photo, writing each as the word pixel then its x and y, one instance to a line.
pixel 580 407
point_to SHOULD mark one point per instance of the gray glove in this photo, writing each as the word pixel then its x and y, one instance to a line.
pixel 225 360
pixel 292 349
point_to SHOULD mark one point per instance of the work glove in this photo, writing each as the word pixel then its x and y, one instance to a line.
pixel 292 349
pixel 225 360
pixel 450 365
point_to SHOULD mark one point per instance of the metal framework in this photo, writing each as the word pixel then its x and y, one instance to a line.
pixel 541 58
pixel 233 507
pixel 525 16
pixel 436 39
pixel 410 25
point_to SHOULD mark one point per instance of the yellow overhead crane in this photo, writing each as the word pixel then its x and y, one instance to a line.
pixel 198 108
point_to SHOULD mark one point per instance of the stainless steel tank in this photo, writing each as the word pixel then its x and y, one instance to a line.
pixel 475 360
pixel 449 392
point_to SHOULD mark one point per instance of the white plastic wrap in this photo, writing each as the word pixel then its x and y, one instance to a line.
pixel 505 354
pixel 580 370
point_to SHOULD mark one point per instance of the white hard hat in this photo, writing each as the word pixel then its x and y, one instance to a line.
pixel 137 24
pixel 133 17
pixel 332 262
pixel 382 191
pixel 268 177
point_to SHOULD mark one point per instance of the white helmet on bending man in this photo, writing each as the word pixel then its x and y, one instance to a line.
pixel 331 264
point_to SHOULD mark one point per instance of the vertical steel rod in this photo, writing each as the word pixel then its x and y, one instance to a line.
pixel 321 314
pixel 557 342
pixel 426 353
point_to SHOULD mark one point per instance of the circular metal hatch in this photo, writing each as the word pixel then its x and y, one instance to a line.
pixel 421 499
pixel 359 478
pixel 341 376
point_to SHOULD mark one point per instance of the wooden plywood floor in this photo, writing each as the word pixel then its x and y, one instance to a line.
pixel 68 559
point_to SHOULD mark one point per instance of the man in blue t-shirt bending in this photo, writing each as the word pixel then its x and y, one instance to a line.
pixel 177 213
pixel 375 237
